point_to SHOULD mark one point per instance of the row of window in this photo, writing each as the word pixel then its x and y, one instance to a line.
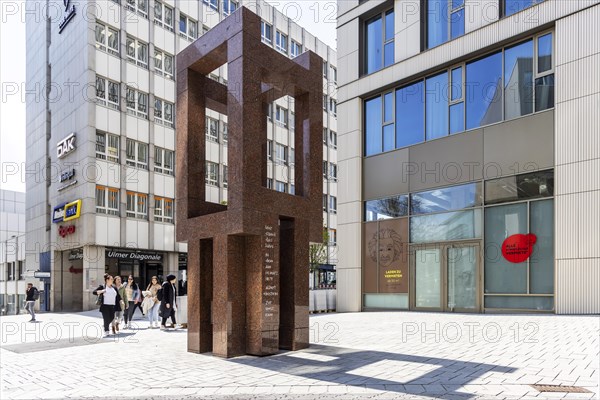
pixel 212 130
pixel 330 105
pixel 107 202
pixel 108 94
pixel 330 171
pixel 515 81
pixel 280 186
pixel 330 138
pixel 445 20
pixel 502 190
pixel 330 204
pixel 136 154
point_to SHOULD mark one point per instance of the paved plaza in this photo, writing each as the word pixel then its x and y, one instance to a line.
pixel 385 355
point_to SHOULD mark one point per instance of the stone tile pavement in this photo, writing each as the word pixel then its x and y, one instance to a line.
pixel 384 355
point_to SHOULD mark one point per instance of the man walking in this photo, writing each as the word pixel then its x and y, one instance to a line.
pixel 32 295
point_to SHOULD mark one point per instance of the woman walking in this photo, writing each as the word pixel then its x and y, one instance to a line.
pixel 121 309
pixel 133 298
pixel 153 303
pixel 168 305
pixel 108 299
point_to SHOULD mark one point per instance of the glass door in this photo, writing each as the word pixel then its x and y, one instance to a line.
pixel 462 269
pixel 427 272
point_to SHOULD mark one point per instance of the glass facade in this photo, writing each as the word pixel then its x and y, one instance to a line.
pixel 445 21
pixel 379 42
pixel 514 6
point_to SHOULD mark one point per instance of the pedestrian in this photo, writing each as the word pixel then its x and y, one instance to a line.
pixel 32 295
pixel 108 298
pixel 168 304
pixel 153 303
pixel 121 309
pixel 133 298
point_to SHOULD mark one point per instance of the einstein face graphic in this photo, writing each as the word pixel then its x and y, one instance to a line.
pixel 386 252
pixel 388 249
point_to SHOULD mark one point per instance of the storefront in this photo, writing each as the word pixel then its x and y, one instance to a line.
pixel 476 247
pixel 143 265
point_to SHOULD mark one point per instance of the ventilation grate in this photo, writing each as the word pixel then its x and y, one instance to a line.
pixel 560 388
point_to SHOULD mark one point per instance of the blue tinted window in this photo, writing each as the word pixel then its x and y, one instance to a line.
pixel 388 137
pixel 457 23
pixel 457 3
pixel 544 92
pixel 514 6
pixel 410 117
pixel 436 103
pixel 437 22
pixel 374 45
pixel 373 142
pixel 446 199
pixel 518 80
pixel 390 207
pixel 457 118
pixel 389 25
pixel 388 107
pixel 483 85
pixel 456 84
pixel 388 54
pixel 545 53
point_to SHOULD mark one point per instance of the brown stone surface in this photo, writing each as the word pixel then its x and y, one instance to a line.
pixel 248 260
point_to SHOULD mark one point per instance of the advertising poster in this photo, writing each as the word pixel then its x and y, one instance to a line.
pixel 393 256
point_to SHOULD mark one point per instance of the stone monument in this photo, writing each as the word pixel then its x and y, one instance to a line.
pixel 248 259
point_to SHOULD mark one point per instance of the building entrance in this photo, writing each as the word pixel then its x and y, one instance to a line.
pixel 446 277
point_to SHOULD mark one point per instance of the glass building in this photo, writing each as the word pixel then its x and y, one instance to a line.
pixel 473 126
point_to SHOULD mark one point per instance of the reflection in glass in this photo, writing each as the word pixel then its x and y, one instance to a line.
pixel 446 199
pixel 388 107
pixel 541 262
pixel 456 84
pixel 410 114
pixel 457 23
pixel 545 53
pixel 462 272
pixel 374 45
pixel 525 186
pixel 483 90
pixel 428 278
pixel 437 22
pixel 457 118
pixel 388 54
pixel 373 116
pixel 390 207
pixel 456 225
pixel 544 93
pixel 514 6
pixel 436 102
pixel 540 303
pixel 518 80
pixel 389 25
pixel 388 137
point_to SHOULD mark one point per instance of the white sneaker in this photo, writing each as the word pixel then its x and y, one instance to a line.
pixel 106 334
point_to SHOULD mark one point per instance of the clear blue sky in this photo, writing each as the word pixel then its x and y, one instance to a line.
pixel 317 16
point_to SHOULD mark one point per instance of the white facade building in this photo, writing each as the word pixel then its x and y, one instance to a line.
pixel 105 131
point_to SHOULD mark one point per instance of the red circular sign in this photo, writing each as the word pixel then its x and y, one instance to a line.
pixel 517 248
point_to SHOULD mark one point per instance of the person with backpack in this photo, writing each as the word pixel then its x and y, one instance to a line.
pixel 32 295
pixel 168 296
pixel 153 302
pixel 108 299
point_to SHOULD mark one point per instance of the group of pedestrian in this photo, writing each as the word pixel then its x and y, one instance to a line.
pixel 119 301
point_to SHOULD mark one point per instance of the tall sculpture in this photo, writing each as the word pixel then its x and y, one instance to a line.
pixel 247 260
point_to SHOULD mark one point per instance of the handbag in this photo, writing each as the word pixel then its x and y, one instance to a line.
pixel 100 299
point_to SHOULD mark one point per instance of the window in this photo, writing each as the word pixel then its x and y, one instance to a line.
pixel 436 106
pixel 107 146
pixel 137 154
pixel 269 183
pixel 225 172
pixel 107 92
pixel 333 204
pixel 163 113
pixel 188 28
pixel 212 129
pixel 163 15
pixel 325 202
pixel 212 173
pixel 325 103
pixel 281 186
pixel 325 69
pixel 520 187
pixel 484 106
pixel 333 139
pixel 281 154
pixel 225 132
pixel 212 4
pixel 107 200
pixel 445 21
pixel 544 77
pixel 333 106
pixel 164 161
pixel 333 172
pixel 440 227
pixel 281 42
pixel 333 74
pixel 295 49
pixel 333 237
pixel 137 52
pixel 373 126
pixel 229 6
pixel 379 42
pixel 137 205
pixel 446 199
pixel 270 150
pixel 410 115
pixel 137 103
pixel 138 6
pixel 518 80
pixel 281 116
pixel 457 101
pixel 325 136
pixel 514 6
pixel 324 169
pixel 389 207
pixel 266 32
pixel 163 209
pixel 107 39
pixel 163 64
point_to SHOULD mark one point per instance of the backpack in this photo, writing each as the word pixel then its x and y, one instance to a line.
pixel 36 294
pixel 159 294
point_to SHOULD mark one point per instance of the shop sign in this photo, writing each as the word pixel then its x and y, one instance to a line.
pixel 518 248
pixel 67 176
pixel 58 213
pixel 64 231
pixel 69 14
pixel 133 255
pixel 65 146
pixel 76 255
pixel 74 270
pixel 41 274
pixel 67 211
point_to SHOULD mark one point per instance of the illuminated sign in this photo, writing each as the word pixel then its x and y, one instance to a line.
pixel 66 230
pixel 65 146
pixel 72 210
pixel 517 248
pixel 69 14
pixel 58 213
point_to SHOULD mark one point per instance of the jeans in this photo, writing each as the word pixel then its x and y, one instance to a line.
pixel 29 305
pixel 130 311
pixel 153 313
pixel 108 315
